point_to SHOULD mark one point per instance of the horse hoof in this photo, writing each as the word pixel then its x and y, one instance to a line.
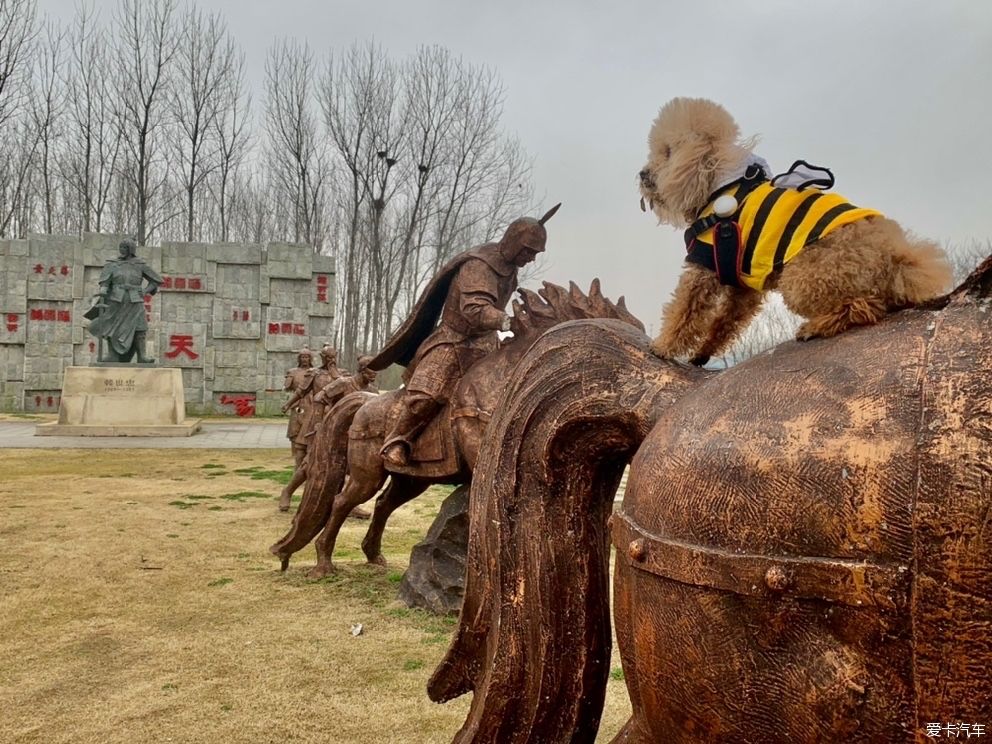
pixel 320 571
pixel 377 560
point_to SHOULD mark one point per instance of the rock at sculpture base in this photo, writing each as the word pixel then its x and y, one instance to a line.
pixel 122 401
pixel 435 580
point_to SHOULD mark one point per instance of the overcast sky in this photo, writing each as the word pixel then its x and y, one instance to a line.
pixel 894 97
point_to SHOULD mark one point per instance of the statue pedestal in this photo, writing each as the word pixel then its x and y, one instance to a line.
pixel 121 401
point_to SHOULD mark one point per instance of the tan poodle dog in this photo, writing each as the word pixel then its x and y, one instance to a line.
pixel 835 264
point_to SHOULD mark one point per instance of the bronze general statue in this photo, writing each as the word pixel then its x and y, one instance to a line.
pixel 452 327
pixel 803 552
pixel 118 315
pixel 295 380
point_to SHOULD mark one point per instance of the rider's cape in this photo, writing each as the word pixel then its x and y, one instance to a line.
pixel 402 346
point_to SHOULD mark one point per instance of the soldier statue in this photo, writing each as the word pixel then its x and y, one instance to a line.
pixel 454 325
pixel 314 450
pixel 295 378
pixel 311 412
pixel 118 314
pixel 362 381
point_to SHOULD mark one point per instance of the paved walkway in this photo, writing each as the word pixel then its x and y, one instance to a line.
pixel 213 435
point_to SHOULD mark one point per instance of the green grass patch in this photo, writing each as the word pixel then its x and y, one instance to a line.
pixel 411 665
pixel 395 576
pixel 282 477
pixel 197 497
pixel 212 465
pixel 182 504
pixel 247 471
pixel 215 508
pixel 616 673
pixel 221 582
pixel 172 534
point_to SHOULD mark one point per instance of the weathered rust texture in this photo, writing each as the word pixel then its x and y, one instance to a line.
pixel 802 549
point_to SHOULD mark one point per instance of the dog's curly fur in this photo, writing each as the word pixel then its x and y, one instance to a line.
pixel 853 276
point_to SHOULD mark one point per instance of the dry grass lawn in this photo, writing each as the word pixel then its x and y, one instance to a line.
pixel 139 603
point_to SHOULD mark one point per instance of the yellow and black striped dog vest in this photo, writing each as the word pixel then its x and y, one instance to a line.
pixel 773 225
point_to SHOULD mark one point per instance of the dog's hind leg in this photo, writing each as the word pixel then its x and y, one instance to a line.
pixel 858 312
pixel 688 317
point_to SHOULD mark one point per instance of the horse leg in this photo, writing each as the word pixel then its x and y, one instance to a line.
pixel 358 490
pixel 401 489
pixel 299 476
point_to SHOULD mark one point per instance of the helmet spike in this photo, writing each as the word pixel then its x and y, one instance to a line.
pixel 550 213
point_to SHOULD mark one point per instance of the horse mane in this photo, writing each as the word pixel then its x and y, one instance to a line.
pixel 553 304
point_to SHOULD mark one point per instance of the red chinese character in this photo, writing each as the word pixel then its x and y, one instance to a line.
pixel 286 328
pixel 64 316
pixel 37 401
pixel 50 313
pixel 321 280
pixel 244 405
pixel 37 314
pixel 273 328
pixel 179 344
pixel 321 294
pixel 39 269
pixel 180 282
pixel 234 314
pixel 64 270
pixel 245 316
pixel 194 283
pixel 299 330
pixel 50 399
pixel 167 282
pixel 12 322
pixel 51 271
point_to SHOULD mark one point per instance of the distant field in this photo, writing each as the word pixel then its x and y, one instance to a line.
pixel 139 603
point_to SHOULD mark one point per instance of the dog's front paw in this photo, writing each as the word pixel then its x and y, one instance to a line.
pixel 660 350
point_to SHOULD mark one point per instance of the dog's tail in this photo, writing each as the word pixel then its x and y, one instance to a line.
pixel 921 272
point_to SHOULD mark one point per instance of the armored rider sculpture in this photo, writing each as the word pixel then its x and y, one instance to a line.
pixel 452 326
pixel 118 316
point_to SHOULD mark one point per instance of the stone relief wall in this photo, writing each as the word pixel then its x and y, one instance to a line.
pixel 231 316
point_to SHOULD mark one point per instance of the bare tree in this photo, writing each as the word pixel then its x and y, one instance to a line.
pixel 148 42
pixel 45 108
pixel 205 61
pixel 295 153
pixel 233 137
pixel 425 171
pixel 92 139
pixel 17 32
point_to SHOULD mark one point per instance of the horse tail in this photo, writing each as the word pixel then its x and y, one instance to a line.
pixel 326 467
pixel 576 409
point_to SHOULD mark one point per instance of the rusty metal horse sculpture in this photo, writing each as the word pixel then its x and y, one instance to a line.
pixel 353 434
pixel 804 551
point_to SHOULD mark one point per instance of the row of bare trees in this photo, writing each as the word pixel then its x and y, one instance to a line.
pixel 139 120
